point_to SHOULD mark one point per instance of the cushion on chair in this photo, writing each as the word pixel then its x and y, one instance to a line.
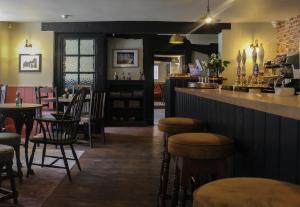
pixel 175 125
pixel 6 153
pixel 11 139
pixel 200 146
pixel 247 192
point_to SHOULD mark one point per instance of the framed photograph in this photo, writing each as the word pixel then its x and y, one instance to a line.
pixel 30 63
pixel 126 58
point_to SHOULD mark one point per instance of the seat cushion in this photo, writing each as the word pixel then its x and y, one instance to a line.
pixel 11 139
pixel 200 146
pixel 6 153
pixel 176 125
pixel 247 192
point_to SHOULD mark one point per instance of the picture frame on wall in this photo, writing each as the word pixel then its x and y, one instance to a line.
pixel 125 58
pixel 30 63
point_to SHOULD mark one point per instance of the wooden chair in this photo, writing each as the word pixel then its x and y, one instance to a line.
pixel 6 162
pixel 60 132
pixel 42 97
pixel 96 114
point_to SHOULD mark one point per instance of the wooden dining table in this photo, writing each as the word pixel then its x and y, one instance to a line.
pixel 23 114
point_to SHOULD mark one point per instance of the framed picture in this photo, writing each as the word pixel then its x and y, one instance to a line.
pixel 126 58
pixel 30 63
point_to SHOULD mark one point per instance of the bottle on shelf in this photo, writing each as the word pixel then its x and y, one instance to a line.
pixel 18 99
pixel 129 76
pixel 116 77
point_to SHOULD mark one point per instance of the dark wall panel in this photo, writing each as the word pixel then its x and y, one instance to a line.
pixel 266 145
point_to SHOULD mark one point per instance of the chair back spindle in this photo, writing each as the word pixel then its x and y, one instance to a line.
pixel 97 105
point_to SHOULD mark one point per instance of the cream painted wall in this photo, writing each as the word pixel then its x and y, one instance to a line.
pixel 4 51
pixel 240 37
pixel 12 43
pixel 42 44
pixel 118 43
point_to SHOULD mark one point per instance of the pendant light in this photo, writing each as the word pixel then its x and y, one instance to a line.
pixel 176 39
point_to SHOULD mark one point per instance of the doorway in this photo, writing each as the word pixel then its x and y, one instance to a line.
pixel 164 67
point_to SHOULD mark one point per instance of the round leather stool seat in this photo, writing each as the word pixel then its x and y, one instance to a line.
pixel 11 139
pixel 175 125
pixel 247 192
pixel 6 153
pixel 200 146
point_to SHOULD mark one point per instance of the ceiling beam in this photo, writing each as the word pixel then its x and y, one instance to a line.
pixel 133 27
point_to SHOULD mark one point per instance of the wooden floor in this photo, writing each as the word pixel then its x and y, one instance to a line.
pixel 123 173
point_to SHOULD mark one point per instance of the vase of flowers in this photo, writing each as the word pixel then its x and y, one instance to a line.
pixel 214 66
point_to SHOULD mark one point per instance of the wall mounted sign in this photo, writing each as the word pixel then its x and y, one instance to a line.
pixel 125 58
pixel 30 63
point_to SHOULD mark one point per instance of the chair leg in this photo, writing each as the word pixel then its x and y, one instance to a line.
pixel 174 200
pixel 75 156
pixel 19 164
pixel 44 154
pixel 66 162
pixel 31 159
pixel 90 134
pixel 12 182
pixel 103 133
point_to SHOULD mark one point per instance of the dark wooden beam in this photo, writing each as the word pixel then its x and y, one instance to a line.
pixel 133 27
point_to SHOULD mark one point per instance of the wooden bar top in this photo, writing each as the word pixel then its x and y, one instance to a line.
pixel 266 102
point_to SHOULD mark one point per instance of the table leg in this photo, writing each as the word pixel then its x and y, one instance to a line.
pixel 29 119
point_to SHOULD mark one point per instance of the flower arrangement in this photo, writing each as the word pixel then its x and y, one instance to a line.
pixel 214 65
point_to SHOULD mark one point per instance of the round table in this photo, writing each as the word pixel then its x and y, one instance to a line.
pixel 21 114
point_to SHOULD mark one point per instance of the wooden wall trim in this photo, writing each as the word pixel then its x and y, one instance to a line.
pixel 133 27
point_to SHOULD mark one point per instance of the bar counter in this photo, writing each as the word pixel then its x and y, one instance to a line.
pixel 265 127
pixel 288 106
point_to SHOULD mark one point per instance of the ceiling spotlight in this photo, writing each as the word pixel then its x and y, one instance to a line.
pixel 65 16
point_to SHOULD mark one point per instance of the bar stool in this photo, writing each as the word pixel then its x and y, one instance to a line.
pixel 247 192
pixel 14 140
pixel 6 157
pixel 171 126
pixel 197 153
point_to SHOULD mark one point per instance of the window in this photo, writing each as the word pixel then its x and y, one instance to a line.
pixel 79 62
pixel 156 76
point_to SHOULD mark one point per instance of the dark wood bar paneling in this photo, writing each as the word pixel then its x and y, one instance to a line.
pixel 266 145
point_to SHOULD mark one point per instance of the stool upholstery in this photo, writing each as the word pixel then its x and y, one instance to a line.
pixel 11 139
pixel 247 192
pixel 6 153
pixel 175 125
pixel 200 146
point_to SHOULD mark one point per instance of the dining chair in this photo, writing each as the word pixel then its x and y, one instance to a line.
pixel 95 116
pixel 42 97
pixel 61 131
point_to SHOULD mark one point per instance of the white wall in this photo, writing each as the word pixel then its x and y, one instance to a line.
pixel 240 37
pixel 162 71
pixel 42 44
pixel 117 43
pixel 202 39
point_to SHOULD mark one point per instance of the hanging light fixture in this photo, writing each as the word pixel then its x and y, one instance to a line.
pixel 176 39
pixel 208 18
pixel 27 44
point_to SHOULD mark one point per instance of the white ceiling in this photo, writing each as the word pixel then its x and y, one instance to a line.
pixel 145 10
